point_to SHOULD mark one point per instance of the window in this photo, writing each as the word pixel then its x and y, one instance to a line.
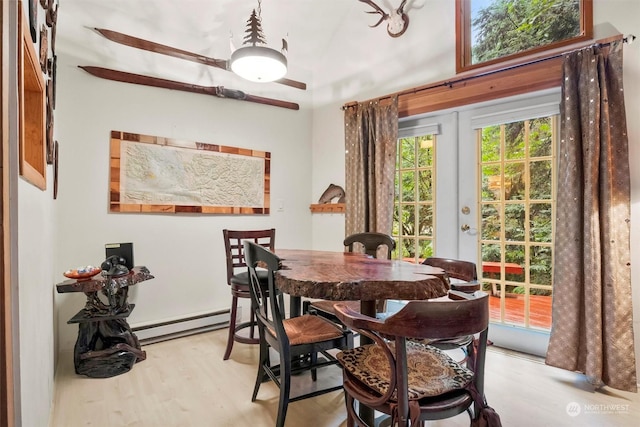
pixel 517 175
pixel 413 216
pixel 491 31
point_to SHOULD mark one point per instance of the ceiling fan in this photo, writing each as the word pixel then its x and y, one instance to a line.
pixel 151 46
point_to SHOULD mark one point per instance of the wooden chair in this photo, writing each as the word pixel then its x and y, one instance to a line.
pixel 464 278
pixel 464 271
pixel 410 381
pixel 293 338
pixel 238 280
pixel 371 243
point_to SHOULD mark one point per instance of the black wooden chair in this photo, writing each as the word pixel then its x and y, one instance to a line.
pixel 238 280
pixel 371 243
pixel 411 381
pixel 296 338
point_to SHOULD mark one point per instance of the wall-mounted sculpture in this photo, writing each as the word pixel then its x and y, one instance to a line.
pixel 397 21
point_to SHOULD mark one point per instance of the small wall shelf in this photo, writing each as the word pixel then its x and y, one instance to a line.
pixel 327 208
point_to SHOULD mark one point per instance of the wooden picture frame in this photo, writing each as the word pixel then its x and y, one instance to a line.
pixel 152 174
pixel 466 10
pixel 32 114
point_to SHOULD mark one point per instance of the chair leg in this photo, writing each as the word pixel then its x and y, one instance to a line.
pixel 348 400
pixel 232 327
pixel 252 328
pixel 262 362
pixel 314 360
pixel 285 387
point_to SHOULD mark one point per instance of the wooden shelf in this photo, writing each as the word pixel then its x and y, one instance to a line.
pixel 327 208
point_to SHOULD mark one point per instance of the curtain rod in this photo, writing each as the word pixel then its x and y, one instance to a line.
pixel 628 39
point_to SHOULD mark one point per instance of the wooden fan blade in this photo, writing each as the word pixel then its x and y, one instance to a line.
pixel 218 91
pixel 151 46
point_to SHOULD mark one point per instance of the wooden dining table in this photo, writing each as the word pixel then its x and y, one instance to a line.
pixel 343 276
pixel 349 276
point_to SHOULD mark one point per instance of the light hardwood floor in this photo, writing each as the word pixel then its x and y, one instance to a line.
pixel 185 382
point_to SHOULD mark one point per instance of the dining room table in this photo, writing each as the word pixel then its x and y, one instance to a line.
pixel 353 276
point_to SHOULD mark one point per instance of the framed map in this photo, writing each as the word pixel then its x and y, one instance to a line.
pixel 152 174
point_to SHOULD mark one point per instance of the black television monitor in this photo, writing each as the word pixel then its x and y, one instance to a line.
pixel 124 250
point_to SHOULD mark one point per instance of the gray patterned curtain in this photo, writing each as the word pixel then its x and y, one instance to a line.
pixel 592 329
pixel 371 135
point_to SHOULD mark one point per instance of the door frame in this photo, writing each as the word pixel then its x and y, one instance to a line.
pixel 471 118
pixel 9 351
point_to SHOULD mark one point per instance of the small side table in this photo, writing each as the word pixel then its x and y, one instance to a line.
pixel 106 346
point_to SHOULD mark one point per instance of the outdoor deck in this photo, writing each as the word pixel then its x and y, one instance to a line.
pixel 540 310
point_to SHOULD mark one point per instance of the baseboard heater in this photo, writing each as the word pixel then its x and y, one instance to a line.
pixel 161 331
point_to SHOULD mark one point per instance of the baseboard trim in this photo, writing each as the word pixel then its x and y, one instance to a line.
pixel 150 333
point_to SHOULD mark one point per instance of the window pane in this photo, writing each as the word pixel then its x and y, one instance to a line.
pixel 408 186
pixel 514 263
pixel 491 182
pixel 540 265
pixel 540 222
pixel 425 188
pixel 426 249
pixel 514 222
pixel 514 140
pixel 408 217
pixel 425 220
pixel 407 152
pixel 491 144
pixel 540 173
pixel 491 260
pixel 540 137
pixel 425 151
pixel 490 222
pixel 514 183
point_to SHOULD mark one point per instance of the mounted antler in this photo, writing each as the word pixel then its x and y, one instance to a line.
pixel 397 20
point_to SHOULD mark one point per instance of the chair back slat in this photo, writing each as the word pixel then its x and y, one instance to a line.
pixel 268 300
pixel 440 318
pixel 371 242
pixel 233 241
pixel 455 268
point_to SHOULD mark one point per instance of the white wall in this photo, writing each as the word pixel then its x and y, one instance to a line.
pixel 34 292
pixel 184 252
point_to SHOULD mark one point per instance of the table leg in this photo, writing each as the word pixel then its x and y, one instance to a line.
pixel 295 306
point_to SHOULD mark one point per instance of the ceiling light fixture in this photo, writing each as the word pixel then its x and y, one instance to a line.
pixel 255 61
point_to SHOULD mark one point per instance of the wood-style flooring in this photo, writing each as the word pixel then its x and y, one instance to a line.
pixel 184 382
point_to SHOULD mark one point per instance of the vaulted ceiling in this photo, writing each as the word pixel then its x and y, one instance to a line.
pixel 328 40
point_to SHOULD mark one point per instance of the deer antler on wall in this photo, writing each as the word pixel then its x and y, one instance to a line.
pixel 397 20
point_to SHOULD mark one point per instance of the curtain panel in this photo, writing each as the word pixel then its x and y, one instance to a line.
pixel 371 135
pixel 592 329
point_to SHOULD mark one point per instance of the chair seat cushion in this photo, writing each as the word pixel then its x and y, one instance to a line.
pixel 430 371
pixel 242 279
pixel 309 329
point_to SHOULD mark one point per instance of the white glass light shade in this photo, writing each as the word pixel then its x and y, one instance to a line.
pixel 258 63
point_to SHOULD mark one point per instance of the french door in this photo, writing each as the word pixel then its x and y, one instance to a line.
pixel 494 198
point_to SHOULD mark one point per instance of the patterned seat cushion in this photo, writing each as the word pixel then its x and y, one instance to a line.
pixel 431 372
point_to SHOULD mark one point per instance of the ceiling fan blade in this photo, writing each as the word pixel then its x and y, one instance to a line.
pixel 150 46
pixel 218 91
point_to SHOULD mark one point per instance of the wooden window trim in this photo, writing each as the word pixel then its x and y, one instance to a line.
pixel 541 71
pixel 463 37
